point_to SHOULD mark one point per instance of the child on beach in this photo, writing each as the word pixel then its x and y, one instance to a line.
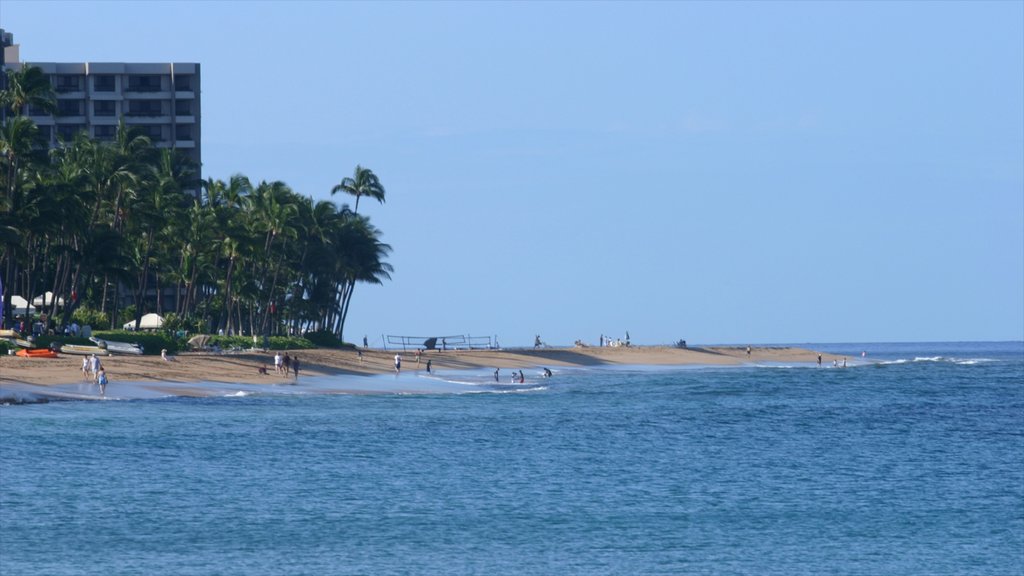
pixel 101 379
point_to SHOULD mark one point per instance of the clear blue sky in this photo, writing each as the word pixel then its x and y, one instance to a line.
pixel 735 172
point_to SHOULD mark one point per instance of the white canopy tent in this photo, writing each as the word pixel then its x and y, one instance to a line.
pixel 148 322
pixel 21 306
pixel 46 300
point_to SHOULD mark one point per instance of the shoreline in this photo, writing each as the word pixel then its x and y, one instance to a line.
pixel 333 371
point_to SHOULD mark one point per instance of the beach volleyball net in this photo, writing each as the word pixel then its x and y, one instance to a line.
pixel 453 342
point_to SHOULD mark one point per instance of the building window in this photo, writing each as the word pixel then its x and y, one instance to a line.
pixel 104 133
pixel 104 108
pixel 144 108
pixel 103 83
pixel 69 107
pixel 154 133
pixel 182 108
pixel 66 132
pixel 44 135
pixel 183 83
pixel 36 111
pixel 68 83
pixel 144 83
pixel 183 132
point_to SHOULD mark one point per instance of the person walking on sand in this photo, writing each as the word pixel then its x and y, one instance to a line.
pixel 286 363
pixel 101 379
pixel 295 367
pixel 85 368
pixel 748 351
pixel 536 341
pixel 277 362
pixel 819 360
pixel 94 367
pixel 428 365
pixel 496 374
pixel 398 363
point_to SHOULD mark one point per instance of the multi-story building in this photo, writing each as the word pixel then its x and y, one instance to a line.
pixel 161 100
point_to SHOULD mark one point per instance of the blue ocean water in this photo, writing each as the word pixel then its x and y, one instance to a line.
pixel 909 462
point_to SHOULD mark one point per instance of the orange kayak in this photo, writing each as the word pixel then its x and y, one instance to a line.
pixel 36 353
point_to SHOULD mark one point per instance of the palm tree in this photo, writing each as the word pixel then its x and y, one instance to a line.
pixel 362 183
pixel 16 139
pixel 28 85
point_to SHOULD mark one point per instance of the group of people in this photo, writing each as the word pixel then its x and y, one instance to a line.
pixel 93 371
pixel 286 364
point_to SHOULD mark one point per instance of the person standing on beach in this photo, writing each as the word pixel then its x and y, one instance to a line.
pixel 277 362
pixel 819 360
pixel 536 341
pixel 295 367
pixel 287 363
pixel 496 374
pixel 428 365
pixel 85 368
pixel 101 379
pixel 94 367
pixel 398 363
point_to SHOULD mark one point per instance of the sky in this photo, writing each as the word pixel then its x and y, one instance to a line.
pixel 728 172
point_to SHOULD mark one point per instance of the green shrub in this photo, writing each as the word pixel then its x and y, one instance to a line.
pixel 152 342
pixel 274 342
pixel 325 339
pixel 86 316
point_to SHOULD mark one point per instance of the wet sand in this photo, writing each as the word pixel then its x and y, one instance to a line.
pixel 207 374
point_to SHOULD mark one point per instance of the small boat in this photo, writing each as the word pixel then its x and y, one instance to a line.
pixel 81 350
pixel 22 343
pixel 36 353
pixel 118 347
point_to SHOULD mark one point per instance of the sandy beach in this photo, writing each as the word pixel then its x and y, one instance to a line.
pixel 206 374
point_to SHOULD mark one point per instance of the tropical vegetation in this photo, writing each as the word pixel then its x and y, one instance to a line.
pixel 120 228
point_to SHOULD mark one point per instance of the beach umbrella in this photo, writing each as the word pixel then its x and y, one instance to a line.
pixel 46 299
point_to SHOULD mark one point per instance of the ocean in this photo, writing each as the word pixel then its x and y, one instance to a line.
pixel 910 461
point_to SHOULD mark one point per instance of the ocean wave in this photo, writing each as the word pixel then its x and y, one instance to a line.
pixel 940 359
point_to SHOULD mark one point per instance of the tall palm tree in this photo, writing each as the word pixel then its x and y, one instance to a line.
pixel 16 139
pixel 28 86
pixel 362 183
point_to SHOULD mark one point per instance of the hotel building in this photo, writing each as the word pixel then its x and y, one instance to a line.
pixel 161 100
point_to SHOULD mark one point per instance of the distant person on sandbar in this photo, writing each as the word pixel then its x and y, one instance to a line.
pixel 444 343
pixel 398 363
pixel 428 365
pixel 287 364
pixel 85 368
pixel 418 352
pixel 365 344
pixel 295 367
pixel 522 377
pixel 819 360
pixel 359 352
pixel 536 341
pixel 277 362
pixel 496 374
pixel 748 350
